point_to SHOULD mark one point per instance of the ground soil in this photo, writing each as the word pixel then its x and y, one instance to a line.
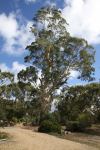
pixel 23 139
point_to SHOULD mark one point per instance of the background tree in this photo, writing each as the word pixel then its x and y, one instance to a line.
pixel 54 54
pixel 80 100
pixel 6 78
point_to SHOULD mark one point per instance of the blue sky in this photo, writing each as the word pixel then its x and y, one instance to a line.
pixel 16 20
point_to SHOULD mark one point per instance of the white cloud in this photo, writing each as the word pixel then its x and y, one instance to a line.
pixel 83 18
pixel 15 68
pixel 8 26
pixel 73 74
pixel 30 1
pixel 4 67
pixel 15 33
pixel 48 2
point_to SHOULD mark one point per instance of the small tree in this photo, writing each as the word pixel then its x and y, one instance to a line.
pixel 6 77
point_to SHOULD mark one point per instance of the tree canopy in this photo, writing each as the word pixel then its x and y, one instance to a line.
pixel 51 57
pixel 80 99
pixel 54 53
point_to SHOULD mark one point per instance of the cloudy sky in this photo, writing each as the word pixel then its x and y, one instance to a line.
pixel 16 20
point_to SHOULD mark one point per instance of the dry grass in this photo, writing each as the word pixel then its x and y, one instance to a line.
pixel 90 137
pixel 27 140
pixel 83 138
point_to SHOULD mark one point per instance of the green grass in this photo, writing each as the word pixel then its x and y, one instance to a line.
pixel 3 135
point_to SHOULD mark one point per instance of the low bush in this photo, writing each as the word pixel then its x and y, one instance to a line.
pixel 73 126
pixel 83 121
pixel 3 135
pixel 48 126
pixel 3 123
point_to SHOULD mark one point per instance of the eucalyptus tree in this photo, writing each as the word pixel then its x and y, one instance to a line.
pixel 80 99
pixel 54 53
pixel 6 78
pixel 29 87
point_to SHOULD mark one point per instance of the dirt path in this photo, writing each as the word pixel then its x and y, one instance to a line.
pixel 27 140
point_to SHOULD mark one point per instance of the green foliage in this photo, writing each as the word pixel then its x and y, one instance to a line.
pixel 80 125
pixel 97 117
pixel 11 111
pixel 73 126
pixel 2 114
pixel 48 126
pixel 28 74
pixel 55 53
pixel 52 56
pixel 80 99
pixel 51 116
pixel 6 77
pixel 3 135
pixel 85 119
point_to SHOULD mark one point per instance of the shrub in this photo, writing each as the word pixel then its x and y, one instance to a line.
pixel 35 120
pixel 3 135
pixel 48 126
pixel 2 114
pixel 3 123
pixel 14 120
pixel 73 126
pixel 85 119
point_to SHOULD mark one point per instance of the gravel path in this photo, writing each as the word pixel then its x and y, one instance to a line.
pixel 23 139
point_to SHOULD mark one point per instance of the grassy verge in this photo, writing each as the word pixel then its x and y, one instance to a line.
pixel 3 135
pixel 84 139
pixel 90 137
